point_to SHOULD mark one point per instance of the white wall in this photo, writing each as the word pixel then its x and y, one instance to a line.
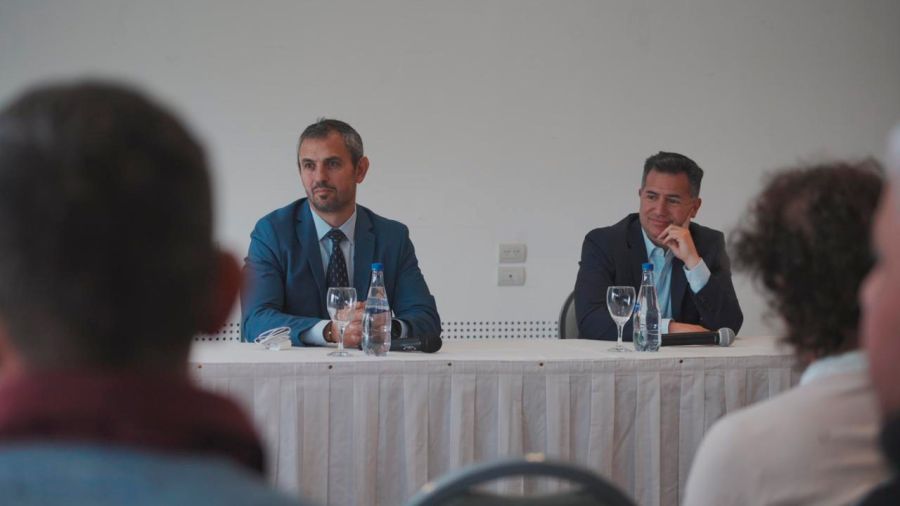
pixel 491 121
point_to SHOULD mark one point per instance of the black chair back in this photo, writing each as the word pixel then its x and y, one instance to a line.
pixel 568 324
pixel 458 489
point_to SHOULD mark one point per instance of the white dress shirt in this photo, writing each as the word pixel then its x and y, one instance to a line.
pixel 814 444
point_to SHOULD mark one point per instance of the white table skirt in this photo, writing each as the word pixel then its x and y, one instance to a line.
pixel 365 430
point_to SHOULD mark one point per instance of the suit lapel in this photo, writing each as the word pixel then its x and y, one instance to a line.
pixel 677 290
pixel 309 250
pixel 637 251
pixel 364 253
pixel 679 279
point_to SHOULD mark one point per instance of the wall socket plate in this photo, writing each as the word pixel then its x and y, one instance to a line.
pixel 513 253
pixel 510 276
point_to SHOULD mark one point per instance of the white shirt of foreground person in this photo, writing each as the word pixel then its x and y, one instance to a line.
pixel 814 444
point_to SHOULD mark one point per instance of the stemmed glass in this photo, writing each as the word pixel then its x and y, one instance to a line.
pixel 620 303
pixel 341 302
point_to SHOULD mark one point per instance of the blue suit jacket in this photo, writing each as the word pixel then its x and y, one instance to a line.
pixel 612 256
pixel 285 281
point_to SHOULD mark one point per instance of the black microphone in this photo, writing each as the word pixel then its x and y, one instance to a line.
pixel 724 337
pixel 426 344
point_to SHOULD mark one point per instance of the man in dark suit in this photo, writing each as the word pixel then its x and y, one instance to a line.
pixel 692 272
pixel 299 251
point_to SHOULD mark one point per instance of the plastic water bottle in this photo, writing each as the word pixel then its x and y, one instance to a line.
pixel 636 336
pixel 646 317
pixel 377 317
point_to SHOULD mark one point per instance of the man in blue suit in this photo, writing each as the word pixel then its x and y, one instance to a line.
pixel 299 251
pixel 691 268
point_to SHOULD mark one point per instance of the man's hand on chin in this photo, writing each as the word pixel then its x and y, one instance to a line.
pixel 678 239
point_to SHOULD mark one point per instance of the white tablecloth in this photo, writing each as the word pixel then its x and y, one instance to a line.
pixel 365 430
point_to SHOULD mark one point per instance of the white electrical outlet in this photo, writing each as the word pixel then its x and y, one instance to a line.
pixel 510 276
pixel 512 253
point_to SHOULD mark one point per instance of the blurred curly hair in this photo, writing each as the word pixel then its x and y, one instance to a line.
pixel 805 240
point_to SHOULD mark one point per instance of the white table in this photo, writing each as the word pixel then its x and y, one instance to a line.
pixel 367 430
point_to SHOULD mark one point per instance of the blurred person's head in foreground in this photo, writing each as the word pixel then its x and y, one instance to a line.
pixel 106 253
pixel 805 240
pixel 880 295
pixel 107 271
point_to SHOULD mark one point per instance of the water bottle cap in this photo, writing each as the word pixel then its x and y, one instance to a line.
pixel 647 266
pixel 377 266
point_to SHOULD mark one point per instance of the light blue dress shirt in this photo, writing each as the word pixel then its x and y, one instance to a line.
pixel 315 335
pixel 349 230
pixel 662 278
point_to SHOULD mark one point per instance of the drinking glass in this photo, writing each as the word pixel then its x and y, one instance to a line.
pixel 620 303
pixel 341 302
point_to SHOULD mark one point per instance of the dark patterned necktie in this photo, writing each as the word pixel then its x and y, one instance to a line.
pixel 336 275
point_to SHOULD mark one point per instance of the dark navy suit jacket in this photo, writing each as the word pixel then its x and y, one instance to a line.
pixel 612 256
pixel 285 281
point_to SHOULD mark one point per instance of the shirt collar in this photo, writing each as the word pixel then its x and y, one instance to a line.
pixel 852 361
pixel 667 253
pixel 322 228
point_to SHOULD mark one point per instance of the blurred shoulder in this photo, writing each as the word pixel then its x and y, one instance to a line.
pixel 107 475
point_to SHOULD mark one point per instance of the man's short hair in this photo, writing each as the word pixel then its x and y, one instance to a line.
pixel 324 126
pixel 675 163
pixel 106 253
pixel 806 241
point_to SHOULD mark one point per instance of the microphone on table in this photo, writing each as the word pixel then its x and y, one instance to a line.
pixel 724 337
pixel 425 344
